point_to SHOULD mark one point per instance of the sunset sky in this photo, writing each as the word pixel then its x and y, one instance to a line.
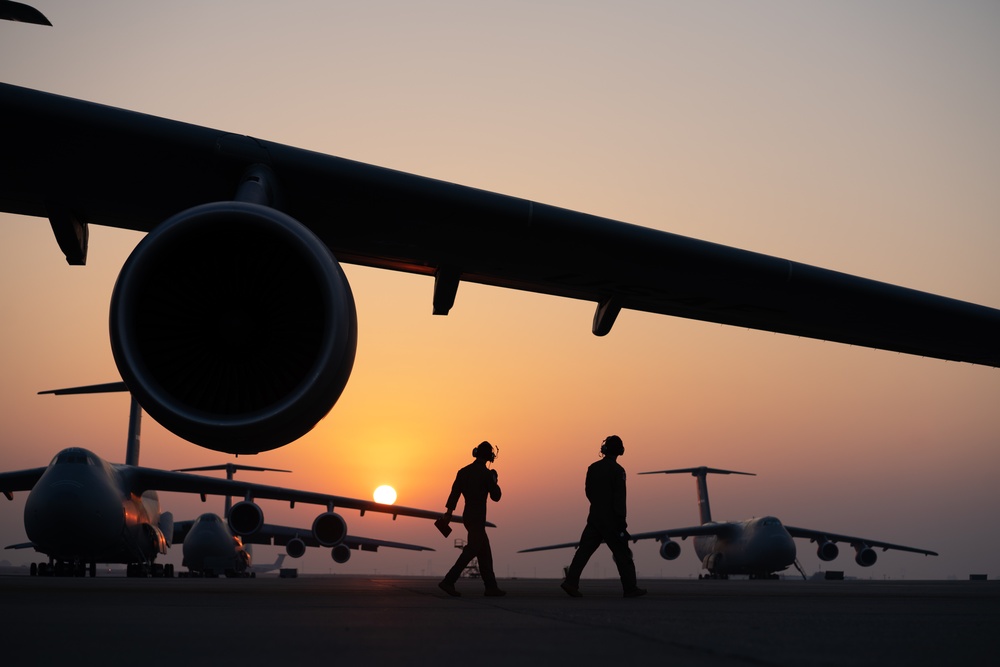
pixel 855 136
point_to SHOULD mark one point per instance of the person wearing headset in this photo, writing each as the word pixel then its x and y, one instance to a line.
pixel 475 482
pixel 605 488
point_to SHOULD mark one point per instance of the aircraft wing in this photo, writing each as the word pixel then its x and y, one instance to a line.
pixel 143 479
pixel 683 533
pixel 19 480
pixel 18 11
pixel 818 535
pixel 80 163
pixel 281 535
pixel 718 529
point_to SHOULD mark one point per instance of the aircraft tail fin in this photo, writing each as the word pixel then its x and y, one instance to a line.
pixel 702 472
pixel 134 415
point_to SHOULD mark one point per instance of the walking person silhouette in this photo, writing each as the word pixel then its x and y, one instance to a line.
pixel 605 488
pixel 475 482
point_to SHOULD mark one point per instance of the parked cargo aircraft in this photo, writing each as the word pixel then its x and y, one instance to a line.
pixel 759 547
pixel 211 547
pixel 261 568
pixel 82 510
pixel 241 265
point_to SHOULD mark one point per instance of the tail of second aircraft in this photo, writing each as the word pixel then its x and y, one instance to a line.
pixel 701 473
pixel 134 415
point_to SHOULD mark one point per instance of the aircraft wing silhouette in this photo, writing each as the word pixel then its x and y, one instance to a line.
pixel 142 479
pixel 18 11
pixel 281 535
pixel 19 480
pixel 79 163
pixel 683 533
pixel 821 536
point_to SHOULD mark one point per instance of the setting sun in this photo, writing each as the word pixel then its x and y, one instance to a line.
pixel 385 494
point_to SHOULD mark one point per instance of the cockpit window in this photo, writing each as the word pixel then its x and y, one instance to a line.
pixel 81 456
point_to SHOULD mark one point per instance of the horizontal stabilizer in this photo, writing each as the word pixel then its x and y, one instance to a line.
pixel 698 471
pixel 22 545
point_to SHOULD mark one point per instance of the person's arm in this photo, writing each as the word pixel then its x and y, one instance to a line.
pixel 619 503
pixel 494 488
pixel 456 491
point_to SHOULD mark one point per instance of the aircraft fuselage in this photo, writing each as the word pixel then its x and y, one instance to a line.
pixel 757 547
pixel 80 510
pixel 211 547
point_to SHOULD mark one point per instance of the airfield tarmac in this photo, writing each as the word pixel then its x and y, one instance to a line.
pixel 409 621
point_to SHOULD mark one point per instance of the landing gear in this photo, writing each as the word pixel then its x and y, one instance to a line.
pixel 155 570
pixel 60 568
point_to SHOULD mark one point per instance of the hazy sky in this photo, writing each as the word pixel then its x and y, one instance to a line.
pixel 856 136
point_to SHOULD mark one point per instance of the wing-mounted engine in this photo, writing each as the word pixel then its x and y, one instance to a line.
pixel 329 529
pixel 233 325
pixel 246 518
pixel 295 547
pixel 826 550
pixel 864 556
pixel 669 550
pixel 340 553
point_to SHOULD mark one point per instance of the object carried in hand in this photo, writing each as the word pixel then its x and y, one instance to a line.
pixel 442 525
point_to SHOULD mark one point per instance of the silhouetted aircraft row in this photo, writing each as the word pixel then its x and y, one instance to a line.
pixel 243 250
pixel 82 510
pixel 758 547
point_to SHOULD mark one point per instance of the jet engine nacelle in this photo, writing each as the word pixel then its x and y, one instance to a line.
pixel 295 548
pixel 670 550
pixel 246 518
pixel 329 529
pixel 827 550
pixel 234 327
pixel 865 556
pixel 340 553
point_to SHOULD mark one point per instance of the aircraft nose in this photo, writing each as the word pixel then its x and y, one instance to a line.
pixel 782 549
pixel 65 514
